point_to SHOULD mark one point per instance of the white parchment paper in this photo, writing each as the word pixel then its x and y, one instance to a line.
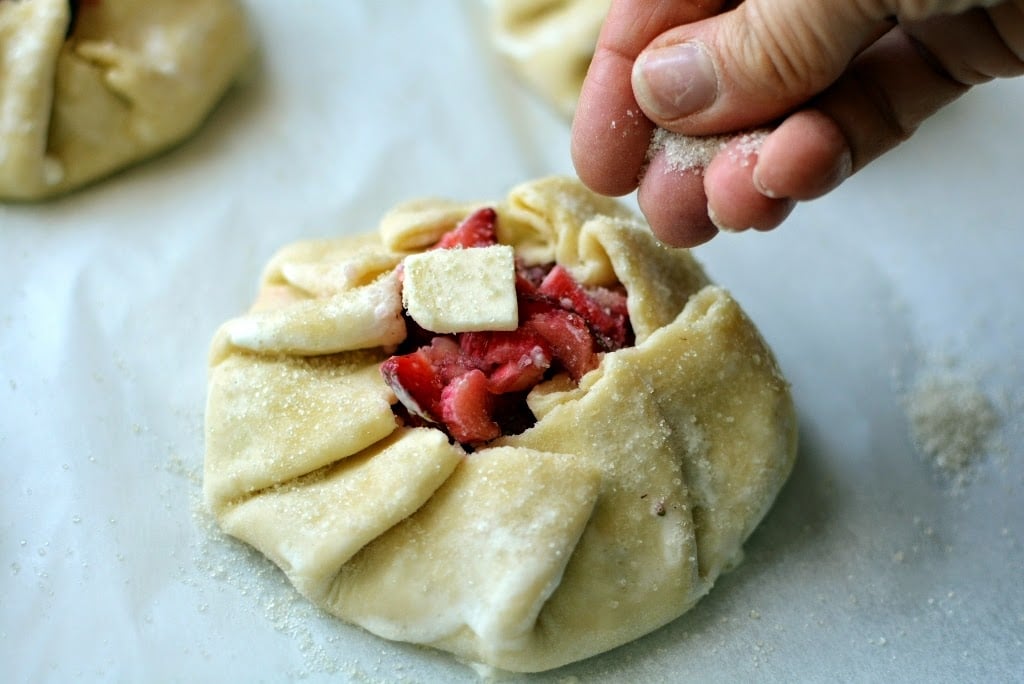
pixel 872 566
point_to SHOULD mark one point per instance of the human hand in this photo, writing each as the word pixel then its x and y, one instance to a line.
pixel 839 82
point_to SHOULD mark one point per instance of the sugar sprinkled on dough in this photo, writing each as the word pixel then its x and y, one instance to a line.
pixel 220 561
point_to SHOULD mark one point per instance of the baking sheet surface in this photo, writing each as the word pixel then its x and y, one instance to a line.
pixel 874 564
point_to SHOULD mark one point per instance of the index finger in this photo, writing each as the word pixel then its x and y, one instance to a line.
pixel 610 134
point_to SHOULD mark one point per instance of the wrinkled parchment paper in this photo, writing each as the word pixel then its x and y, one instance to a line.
pixel 873 565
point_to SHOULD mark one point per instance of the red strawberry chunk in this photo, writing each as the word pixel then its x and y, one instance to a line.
pixel 608 320
pixel 612 301
pixel 413 380
pixel 489 349
pixel 529 278
pixel 571 340
pixel 466 408
pixel 513 360
pixel 516 376
pixel 447 358
pixel 476 230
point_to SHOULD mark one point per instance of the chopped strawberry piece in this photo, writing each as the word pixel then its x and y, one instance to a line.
pixel 447 358
pixel 517 376
pixel 489 349
pixel 613 301
pixel 570 339
pixel 478 345
pixel 476 230
pixel 608 320
pixel 529 278
pixel 466 407
pixel 513 360
pixel 525 287
pixel 413 380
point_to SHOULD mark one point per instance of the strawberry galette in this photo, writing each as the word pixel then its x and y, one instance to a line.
pixel 90 86
pixel 524 432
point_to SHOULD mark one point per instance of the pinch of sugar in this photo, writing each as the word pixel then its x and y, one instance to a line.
pixel 694 153
pixel 747 146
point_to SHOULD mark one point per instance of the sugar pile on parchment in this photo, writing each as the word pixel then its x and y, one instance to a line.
pixel 952 422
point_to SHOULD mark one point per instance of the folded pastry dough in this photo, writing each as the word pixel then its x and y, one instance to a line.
pixel 549 43
pixel 124 80
pixel 610 516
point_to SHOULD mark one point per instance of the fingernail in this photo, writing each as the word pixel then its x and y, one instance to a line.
pixel 842 170
pixel 717 222
pixel 758 179
pixel 839 171
pixel 675 81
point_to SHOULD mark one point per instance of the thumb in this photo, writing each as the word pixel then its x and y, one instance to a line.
pixel 751 64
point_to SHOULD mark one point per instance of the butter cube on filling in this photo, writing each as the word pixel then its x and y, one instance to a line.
pixel 462 289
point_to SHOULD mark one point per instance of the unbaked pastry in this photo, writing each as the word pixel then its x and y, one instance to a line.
pixel 549 43
pixel 611 515
pixel 90 86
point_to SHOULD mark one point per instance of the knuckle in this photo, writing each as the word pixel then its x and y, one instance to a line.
pixel 974 47
pixel 891 127
pixel 789 55
pixel 922 9
pixel 1008 21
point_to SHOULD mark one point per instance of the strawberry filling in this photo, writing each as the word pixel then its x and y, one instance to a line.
pixel 474 384
pixel 476 230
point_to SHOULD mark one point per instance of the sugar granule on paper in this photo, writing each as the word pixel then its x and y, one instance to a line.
pixel 951 422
